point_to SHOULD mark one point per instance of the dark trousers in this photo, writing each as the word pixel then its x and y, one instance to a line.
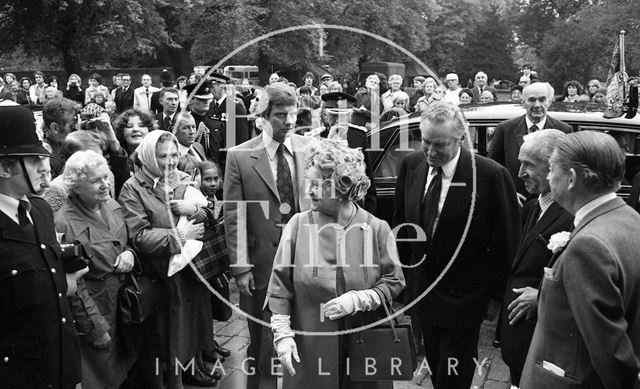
pixel 261 347
pixel 450 354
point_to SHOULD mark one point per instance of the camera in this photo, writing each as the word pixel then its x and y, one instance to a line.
pixel 74 257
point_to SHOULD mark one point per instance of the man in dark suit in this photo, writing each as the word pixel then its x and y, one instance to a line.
pixel 481 86
pixel 166 80
pixel 123 95
pixel 508 135
pixel 588 331
pixel 228 112
pixel 169 99
pixel 469 215
pixel 542 217
pixel 269 168
pixel 38 342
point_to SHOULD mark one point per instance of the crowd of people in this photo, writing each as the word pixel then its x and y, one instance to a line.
pixel 126 180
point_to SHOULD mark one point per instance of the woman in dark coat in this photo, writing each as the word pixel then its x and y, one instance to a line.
pixel 183 324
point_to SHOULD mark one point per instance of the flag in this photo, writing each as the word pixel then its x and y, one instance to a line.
pixel 616 82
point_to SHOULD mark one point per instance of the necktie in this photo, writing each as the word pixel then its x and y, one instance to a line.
pixel 167 123
pixel 481 90
pixel 430 203
pixel 533 128
pixel 532 219
pixel 285 186
pixel 24 221
pixel 148 100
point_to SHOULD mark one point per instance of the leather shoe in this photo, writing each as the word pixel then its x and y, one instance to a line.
pixel 211 357
pixel 198 379
pixel 225 352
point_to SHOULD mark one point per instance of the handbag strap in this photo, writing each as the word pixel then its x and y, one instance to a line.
pixel 388 311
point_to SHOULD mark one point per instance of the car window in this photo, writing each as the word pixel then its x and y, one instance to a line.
pixel 399 147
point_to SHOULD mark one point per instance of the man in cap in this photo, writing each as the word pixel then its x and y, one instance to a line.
pixel 326 79
pixel 38 341
pixel 228 113
pixel 166 80
pixel 452 94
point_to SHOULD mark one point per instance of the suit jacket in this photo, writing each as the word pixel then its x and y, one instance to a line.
pixel 482 263
pixel 123 100
pixel 253 238
pixel 38 341
pixel 141 100
pixel 527 270
pixel 160 120
pixel 589 310
pixel 507 140
pixel 476 93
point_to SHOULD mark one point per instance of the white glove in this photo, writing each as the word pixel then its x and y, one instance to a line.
pixel 285 349
pixel 283 341
pixel 351 302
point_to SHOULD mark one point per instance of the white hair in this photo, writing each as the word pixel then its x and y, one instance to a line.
pixel 78 167
pixel 550 90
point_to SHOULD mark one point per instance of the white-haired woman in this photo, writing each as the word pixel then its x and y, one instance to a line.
pixel 94 220
pixel 183 324
pixel 335 278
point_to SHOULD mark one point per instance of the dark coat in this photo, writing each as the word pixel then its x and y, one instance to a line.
pixel 475 91
pixel 183 324
pixel 507 140
pixel 527 270
pixel 588 311
pixel 123 100
pixel 480 269
pixel 74 93
pixel 160 120
pixel 38 342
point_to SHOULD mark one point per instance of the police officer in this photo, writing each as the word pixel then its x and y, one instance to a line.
pixel 38 342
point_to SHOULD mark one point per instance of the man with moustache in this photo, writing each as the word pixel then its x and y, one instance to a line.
pixel 542 217
pixel 588 331
pixel 268 169
pixel 508 135
pixel 470 217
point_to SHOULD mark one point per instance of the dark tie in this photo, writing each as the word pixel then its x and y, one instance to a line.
pixel 167 123
pixel 285 184
pixel 533 128
pixel 24 221
pixel 430 203
pixel 148 101
pixel 532 219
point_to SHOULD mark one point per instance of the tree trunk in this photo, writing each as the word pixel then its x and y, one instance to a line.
pixel 71 61
pixel 264 66
pixel 180 58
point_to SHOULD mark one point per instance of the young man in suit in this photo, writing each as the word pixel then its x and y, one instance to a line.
pixel 264 178
pixel 38 340
pixel 508 135
pixel 588 331
pixel 466 207
pixel 481 86
pixel 542 217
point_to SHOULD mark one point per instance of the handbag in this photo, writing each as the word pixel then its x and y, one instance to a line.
pixel 139 297
pixel 381 353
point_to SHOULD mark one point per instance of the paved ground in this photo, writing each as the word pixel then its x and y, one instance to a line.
pixel 234 335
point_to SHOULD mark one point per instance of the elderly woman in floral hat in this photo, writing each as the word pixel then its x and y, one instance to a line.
pixel 318 264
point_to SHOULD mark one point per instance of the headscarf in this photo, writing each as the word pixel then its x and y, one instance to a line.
pixel 147 156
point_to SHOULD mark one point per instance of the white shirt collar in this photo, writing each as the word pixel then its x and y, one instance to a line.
pixel 590 206
pixel 272 146
pixel 539 124
pixel 221 100
pixel 449 168
pixel 182 149
pixel 9 206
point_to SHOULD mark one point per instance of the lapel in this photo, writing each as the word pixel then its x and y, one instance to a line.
pixel 417 182
pixel 262 166
pixel 520 131
pixel 299 156
pixel 548 218
pixel 456 209
pixel 12 231
pixel 604 208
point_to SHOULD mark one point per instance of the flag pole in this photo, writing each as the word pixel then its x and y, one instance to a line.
pixel 623 68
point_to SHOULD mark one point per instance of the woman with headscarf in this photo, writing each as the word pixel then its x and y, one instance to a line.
pixel 94 220
pixel 336 256
pixel 183 324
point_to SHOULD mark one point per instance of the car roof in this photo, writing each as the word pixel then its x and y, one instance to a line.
pixel 589 115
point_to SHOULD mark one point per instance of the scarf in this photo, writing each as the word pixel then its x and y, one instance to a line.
pixel 162 182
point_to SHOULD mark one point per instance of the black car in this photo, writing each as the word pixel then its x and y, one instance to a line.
pixel 394 140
